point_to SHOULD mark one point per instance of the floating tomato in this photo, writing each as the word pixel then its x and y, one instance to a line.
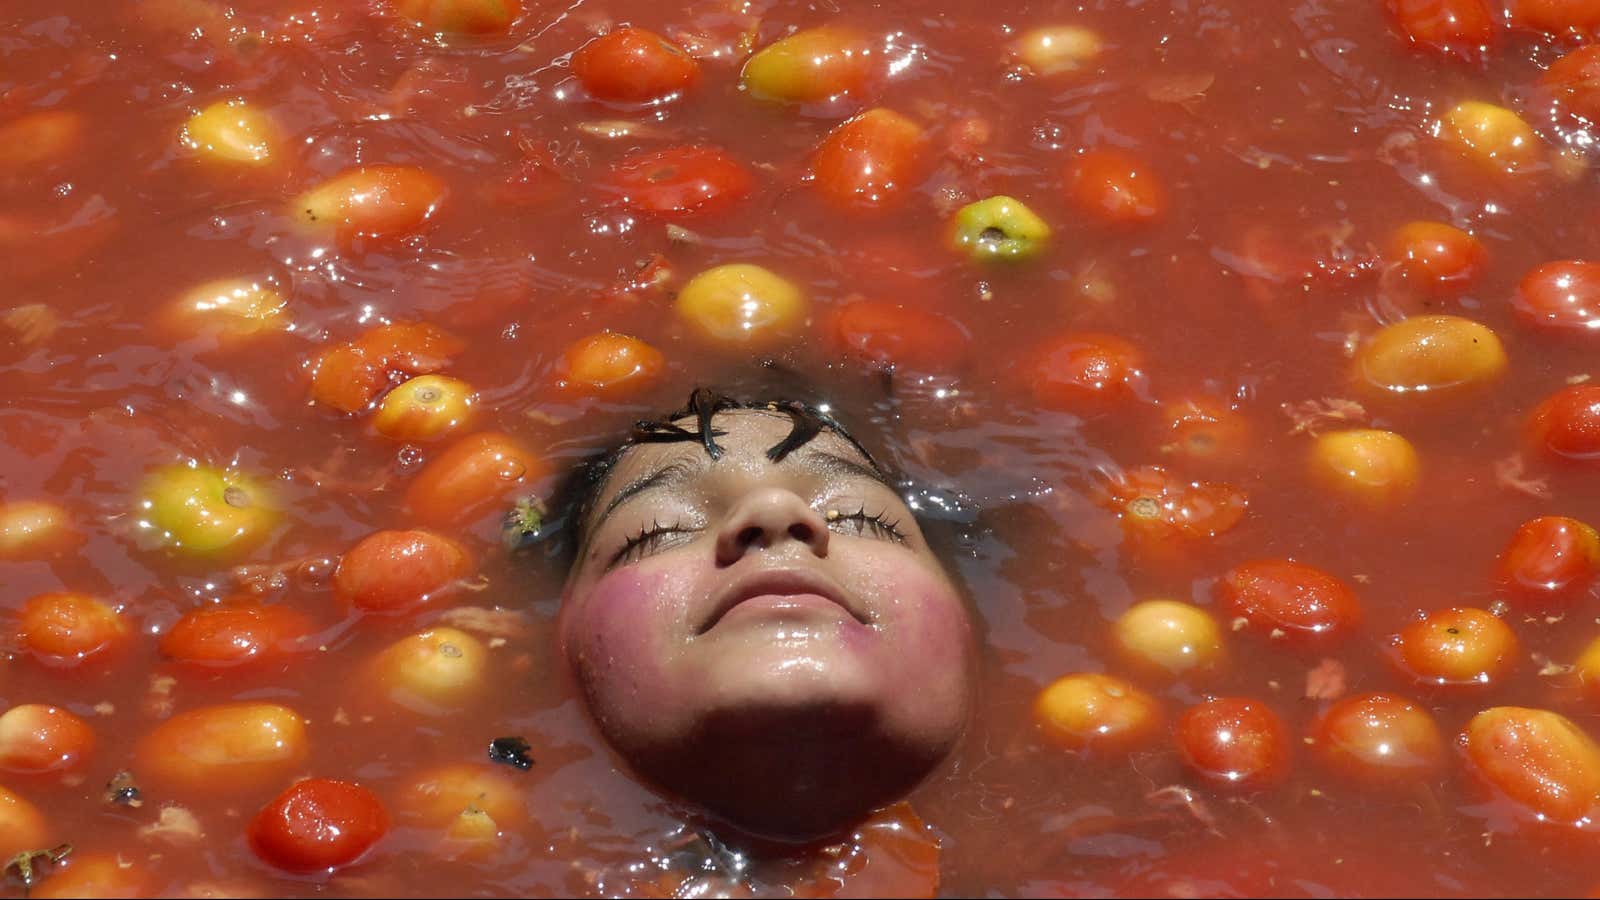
pixel 470 477
pixel 633 65
pixel 1379 739
pixel 1116 188
pixel 1567 424
pixel 1234 743
pixel 610 363
pixel 1291 600
pixel 1451 25
pixel 1156 506
pixel 1176 640
pixel 397 571
pixel 1459 647
pixel 1539 761
pixel 462 16
pixel 318 825
pixel 679 182
pixel 233 634
pixel 372 202
pixel 811 65
pixel 1561 296
pixel 232 748
pixel 65 629
pixel 1550 563
pixel 1097 713
pixel 1574 81
pixel 871 161
pixel 1443 261
pixel 37 739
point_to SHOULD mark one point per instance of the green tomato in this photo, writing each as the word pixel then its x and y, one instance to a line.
pixel 999 228
pixel 205 510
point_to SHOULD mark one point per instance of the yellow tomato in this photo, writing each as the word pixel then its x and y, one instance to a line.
pixel 1057 49
pixel 424 408
pixel 1366 464
pixel 22 826
pixel 200 509
pixel 235 306
pixel 33 528
pixel 1492 136
pixel 1096 712
pixel 232 748
pixel 231 131
pixel 1170 637
pixel 743 305
pixel 810 65
pixel 1431 353
pixel 434 672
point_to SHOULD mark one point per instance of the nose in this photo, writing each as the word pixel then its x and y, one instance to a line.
pixel 766 518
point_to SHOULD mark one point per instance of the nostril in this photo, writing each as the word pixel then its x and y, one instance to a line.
pixel 801 532
pixel 751 536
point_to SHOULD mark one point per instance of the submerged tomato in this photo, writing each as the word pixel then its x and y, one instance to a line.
pixel 871 161
pixel 633 65
pixel 318 824
pixel 1556 15
pixel 1441 260
pixel 1116 187
pixel 234 634
pixel 1156 506
pixel 1291 600
pixel 372 202
pixel 1567 424
pixel 1561 296
pixel 470 477
pixel 1234 743
pixel 679 182
pixel 1574 81
pixel 1550 563
pixel 1380 739
pixel 1086 372
pixel 396 571
pixel 899 334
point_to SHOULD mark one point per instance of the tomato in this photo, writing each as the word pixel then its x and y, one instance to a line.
pixel 632 65
pixel 1550 563
pixel 22 826
pixel 35 529
pixel 1101 714
pixel 349 377
pixel 891 334
pixel 611 363
pixel 1290 600
pixel 231 131
pixel 810 66
pixel 1204 429
pixel 204 510
pixel 999 229
pixel 1175 639
pixel 679 182
pixel 1371 466
pixel 470 477
pixel 1567 424
pixel 1493 137
pixel 742 305
pixel 1057 49
pixel 870 162
pixel 431 673
pixel 372 202
pixel 397 571
pixel 1427 354
pixel 1450 25
pixel 1459 647
pixel 1574 81
pixel 1441 260
pixel 425 408
pixel 39 140
pixel 317 825
pixel 1560 296
pixel 436 797
pixel 1116 188
pixel 64 629
pixel 1587 670
pixel 93 876
pixel 226 635
pixel 1156 506
pixel 1380 739
pixel 1234 743
pixel 36 739
pixel 1087 372
pixel 1556 15
pixel 232 748
pixel 1542 763
pixel 235 307
pixel 462 16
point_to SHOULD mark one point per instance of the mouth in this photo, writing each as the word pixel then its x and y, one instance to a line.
pixel 784 587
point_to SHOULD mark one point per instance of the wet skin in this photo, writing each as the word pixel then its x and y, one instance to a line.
pixel 773 641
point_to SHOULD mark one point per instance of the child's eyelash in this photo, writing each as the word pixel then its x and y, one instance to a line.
pixel 647 540
pixel 879 524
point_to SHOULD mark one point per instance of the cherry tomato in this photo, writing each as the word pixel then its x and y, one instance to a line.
pixel 36 739
pixel 632 65
pixel 39 140
pixel 679 182
pixel 434 672
pixel 1116 188
pixel 1234 743
pixel 1459 647
pixel 742 305
pixel 1562 296
pixel 232 748
pixel 66 629
pixel 350 377
pixel 372 202
pixel 1086 372
pixel 22 826
pixel 469 478
pixel 1495 138
pixel 610 363
pixel 1371 466
pixel 1156 506
pixel 1550 563
pixel 870 162
pixel 1574 80
pixel 1541 762
pixel 1441 260
pixel 462 16
pixel 810 66
pixel 317 825
pixel 1567 424
pixel 887 333
pixel 1176 640
pixel 1428 354
pixel 96 876
pixel 243 632
pixel 1448 25
pixel 1556 15
pixel 425 408
pixel 35 529
pixel 1380 739
pixel 1098 713
pixel 232 131
pixel 398 571
pixel 1290 600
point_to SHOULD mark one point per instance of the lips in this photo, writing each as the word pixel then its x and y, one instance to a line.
pixel 779 583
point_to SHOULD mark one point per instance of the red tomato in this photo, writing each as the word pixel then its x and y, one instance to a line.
pixel 234 634
pixel 65 629
pixel 1291 600
pixel 397 571
pixel 1541 762
pixel 1550 563
pixel 1440 259
pixel 679 182
pixel 1116 188
pixel 1556 15
pixel 37 739
pixel 885 333
pixel 1574 80
pixel 1086 372
pixel 1233 742
pixel 633 65
pixel 1156 506
pixel 468 479
pixel 349 377
pixel 1459 647
pixel 1561 295
pixel 372 202
pixel 317 825
pixel 1450 25
pixel 1567 423
pixel 1379 738
pixel 871 161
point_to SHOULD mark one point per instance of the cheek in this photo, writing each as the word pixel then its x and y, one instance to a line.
pixel 625 629
pixel 920 611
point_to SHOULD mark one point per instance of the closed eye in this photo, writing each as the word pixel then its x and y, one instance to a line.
pixel 864 524
pixel 650 539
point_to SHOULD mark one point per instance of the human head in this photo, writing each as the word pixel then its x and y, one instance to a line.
pixel 757 621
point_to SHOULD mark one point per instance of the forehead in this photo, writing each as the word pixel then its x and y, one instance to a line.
pixel 745 436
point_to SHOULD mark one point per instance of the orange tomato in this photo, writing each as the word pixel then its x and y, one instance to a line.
pixel 1560 296
pixel 1442 260
pixel 424 408
pixel 611 363
pixel 1234 743
pixel 1541 762
pixel 1200 428
pixel 228 749
pixel 64 629
pixel 1380 739
pixel 397 571
pixel 462 16
pixel 1556 15
pixel 1550 563
pixel 39 140
pixel 1448 25
pixel 317 825
pixel 871 161
pixel 36 739
pixel 1098 713
pixel 233 634
pixel 1459 647
pixel 470 477
pixel 34 529
pixel 632 65
pixel 1286 599
pixel 22 826
pixel 1116 188
pixel 1156 506
pixel 349 377
pixel 372 202
pixel 93 876
pixel 886 333
pixel 1087 372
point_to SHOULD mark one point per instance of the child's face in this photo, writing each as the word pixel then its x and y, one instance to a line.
pixel 738 601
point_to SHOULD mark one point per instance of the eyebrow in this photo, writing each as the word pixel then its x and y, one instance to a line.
pixel 833 464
